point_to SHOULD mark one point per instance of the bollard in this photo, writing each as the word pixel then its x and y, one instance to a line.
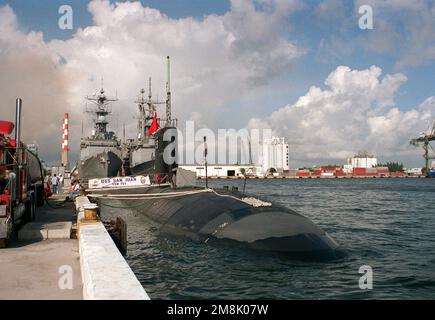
pixel 90 211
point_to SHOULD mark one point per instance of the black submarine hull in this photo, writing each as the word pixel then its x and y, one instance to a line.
pixel 222 216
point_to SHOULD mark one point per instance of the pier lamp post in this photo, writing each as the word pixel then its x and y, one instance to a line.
pixel 205 161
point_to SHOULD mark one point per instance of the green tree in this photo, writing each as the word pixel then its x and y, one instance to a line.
pixel 392 166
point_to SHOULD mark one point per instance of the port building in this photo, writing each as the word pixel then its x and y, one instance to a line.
pixel 361 160
pixel 275 155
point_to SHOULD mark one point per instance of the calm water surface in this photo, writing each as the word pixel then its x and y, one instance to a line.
pixel 388 224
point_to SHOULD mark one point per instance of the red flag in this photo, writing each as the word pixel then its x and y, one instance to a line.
pixel 154 126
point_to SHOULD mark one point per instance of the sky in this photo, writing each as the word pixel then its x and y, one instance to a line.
pixel 305 69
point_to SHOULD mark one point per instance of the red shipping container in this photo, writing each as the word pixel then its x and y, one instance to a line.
pixel 339 173
pixel 302 174
pixel 383 171
pixel 359 171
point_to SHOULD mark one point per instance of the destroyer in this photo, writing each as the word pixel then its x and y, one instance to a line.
pixel 139 153
pixel 100 154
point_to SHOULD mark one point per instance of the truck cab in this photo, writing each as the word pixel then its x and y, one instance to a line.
pixel 21 185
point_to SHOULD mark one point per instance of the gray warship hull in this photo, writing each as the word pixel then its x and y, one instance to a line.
pixel 143 168
pixel 142 160
pixel 222 216
pixel 101 153
pixel 101 165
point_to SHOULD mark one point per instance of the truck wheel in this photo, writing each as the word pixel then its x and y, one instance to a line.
pixel 32 208
pixel 40 195
pixel 3 243
pixel 29 215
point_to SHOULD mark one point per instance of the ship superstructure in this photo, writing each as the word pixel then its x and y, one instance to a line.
pixel 100 153
pixel 140 152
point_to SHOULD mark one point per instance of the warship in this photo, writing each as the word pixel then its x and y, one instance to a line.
pixel 139 153
pixel 100 154
pixel 167 196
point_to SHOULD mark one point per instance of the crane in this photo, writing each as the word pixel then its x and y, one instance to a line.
pixel 425 138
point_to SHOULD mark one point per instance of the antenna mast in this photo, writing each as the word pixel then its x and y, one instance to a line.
pixel 149 89
pixel 168 94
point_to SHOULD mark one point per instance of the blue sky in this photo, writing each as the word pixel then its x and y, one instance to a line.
pixel 43 15
pixel 323 35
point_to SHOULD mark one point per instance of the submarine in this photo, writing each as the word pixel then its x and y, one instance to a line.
pixel 167 195
pixel 220 216
pixel 226 216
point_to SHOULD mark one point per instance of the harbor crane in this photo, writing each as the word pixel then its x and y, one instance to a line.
pixel 425 138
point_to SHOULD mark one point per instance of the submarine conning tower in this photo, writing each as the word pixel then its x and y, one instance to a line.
pixel 165 163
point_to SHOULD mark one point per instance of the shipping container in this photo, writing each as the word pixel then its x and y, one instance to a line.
pixel 303 174
pixel 339 173
pixel 359 171
pixel 327 174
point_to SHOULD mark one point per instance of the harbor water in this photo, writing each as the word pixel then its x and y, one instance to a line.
pixel 387 224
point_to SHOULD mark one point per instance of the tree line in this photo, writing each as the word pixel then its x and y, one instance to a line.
pixel 392 166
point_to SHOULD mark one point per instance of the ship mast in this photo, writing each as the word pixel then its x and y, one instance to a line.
pixel 102 110
pixel 168 95
pixel 147 110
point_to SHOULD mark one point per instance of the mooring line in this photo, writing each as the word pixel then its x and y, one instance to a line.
pixel 147 196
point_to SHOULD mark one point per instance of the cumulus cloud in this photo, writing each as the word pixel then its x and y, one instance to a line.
pixel 404 28
pixel 214 60
pixel 356 111
pixel 28 69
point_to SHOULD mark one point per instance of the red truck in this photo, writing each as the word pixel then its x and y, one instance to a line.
pixel 21 179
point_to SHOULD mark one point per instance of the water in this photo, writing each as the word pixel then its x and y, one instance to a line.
pixel 388 224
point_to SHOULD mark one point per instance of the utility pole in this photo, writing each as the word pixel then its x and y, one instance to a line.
pixel 205 161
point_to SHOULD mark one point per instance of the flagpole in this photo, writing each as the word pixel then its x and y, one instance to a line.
pixel 205 161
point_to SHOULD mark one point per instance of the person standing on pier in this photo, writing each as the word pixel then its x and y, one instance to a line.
pixel 59 189
pixel 54 183
pixel 47 181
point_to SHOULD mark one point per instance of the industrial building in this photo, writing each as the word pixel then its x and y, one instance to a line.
pixel 221 171
pixel 360 160
pixel 275 154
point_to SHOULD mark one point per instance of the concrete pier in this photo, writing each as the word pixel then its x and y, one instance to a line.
pixel 34 268
pixel 106 274
pixel 45 262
